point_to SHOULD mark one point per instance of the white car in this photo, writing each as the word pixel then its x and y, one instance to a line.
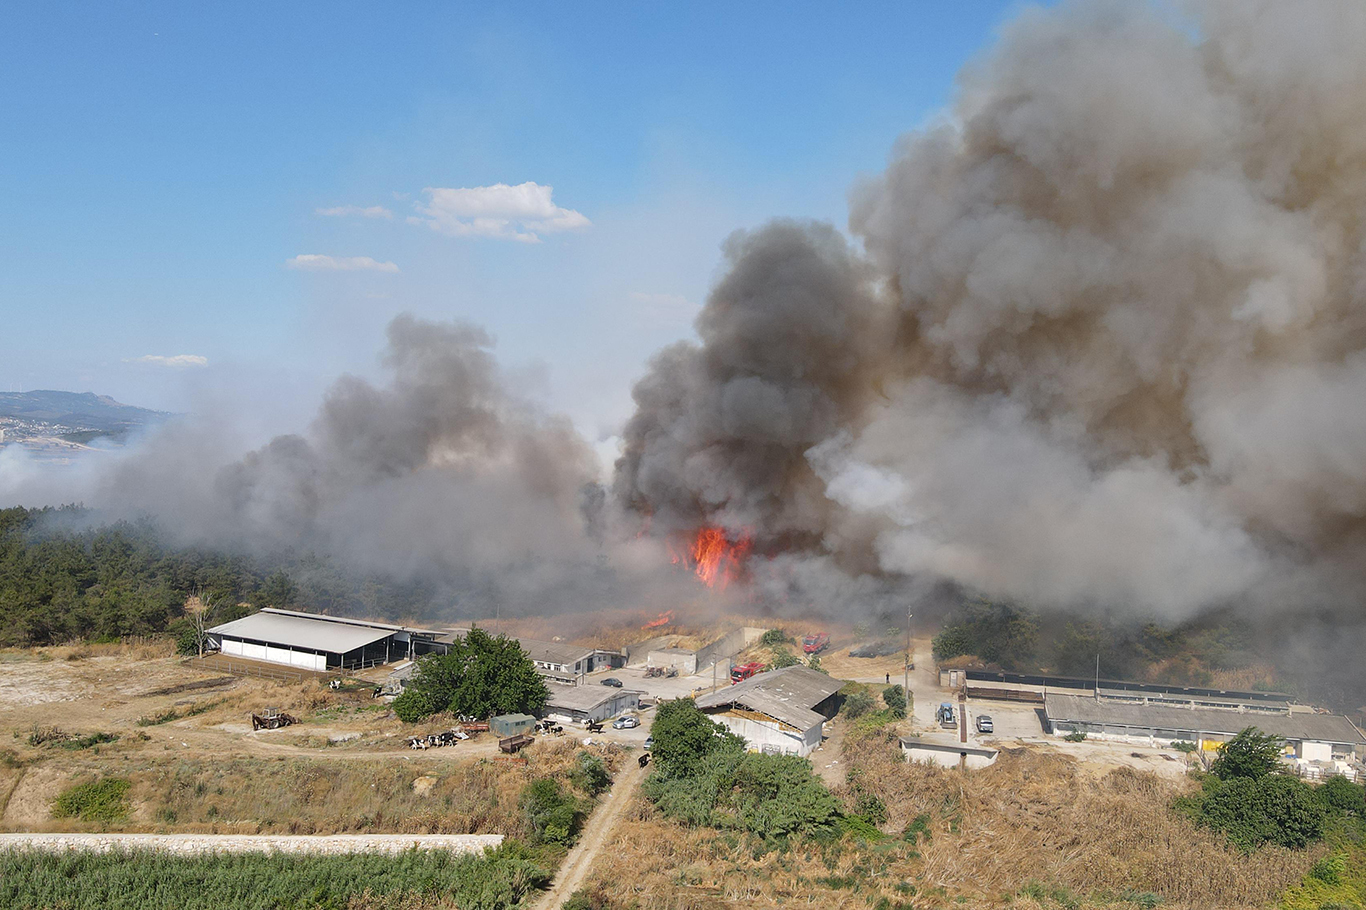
pixel 625 723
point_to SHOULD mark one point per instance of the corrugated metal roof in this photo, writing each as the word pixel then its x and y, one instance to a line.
pixel 584 698
pixel 296 630
pixel 554 652
pixel 789 695
pixel 1081 709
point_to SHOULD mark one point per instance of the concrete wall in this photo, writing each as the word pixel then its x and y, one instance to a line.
pixel 946 759
pixel 727 645
pixel 1312 751
pixel 306 660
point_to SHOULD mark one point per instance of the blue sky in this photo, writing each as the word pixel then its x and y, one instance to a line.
pixel 162 165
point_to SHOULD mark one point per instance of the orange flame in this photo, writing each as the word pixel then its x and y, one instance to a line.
pixel 714 556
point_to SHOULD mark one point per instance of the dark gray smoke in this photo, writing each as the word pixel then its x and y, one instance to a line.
pixel 1104 344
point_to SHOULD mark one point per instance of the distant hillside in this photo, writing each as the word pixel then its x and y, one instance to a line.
pixel 79 412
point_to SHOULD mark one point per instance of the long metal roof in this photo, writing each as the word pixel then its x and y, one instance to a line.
pixel 553 652
pixel 1082 709
pixel 296 630
pixel 788 695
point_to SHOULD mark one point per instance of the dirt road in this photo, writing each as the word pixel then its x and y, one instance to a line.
pixel 596 834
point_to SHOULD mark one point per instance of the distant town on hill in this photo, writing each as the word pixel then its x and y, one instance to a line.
pixel 56 425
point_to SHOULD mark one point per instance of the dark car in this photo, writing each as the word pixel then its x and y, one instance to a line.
pixel 612 681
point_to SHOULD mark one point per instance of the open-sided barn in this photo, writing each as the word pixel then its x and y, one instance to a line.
pixel 779 711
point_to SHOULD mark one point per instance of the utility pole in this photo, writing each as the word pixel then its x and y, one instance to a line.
pixel 1097 675
pixel 906 670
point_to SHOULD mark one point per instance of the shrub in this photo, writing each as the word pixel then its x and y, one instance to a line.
pixel 101 800
pixel 773 637
pixel 552 815
pixel 86 742
pixel 1183 746
pixel 781 657
pixel 777 796
pixel 1252 811
pixel 1076 736
pixel 1329 869
pixel 857 704
pixel 918 828
pixel 590 774
pixel 895 698
pixel 1341 795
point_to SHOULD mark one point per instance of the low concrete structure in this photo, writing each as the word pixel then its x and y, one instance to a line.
pixel 1311 736
pixel 680 659
pixel 584 704
pixel 778 711
pixel 946 751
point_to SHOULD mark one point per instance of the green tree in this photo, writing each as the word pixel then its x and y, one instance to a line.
pixel 1251 753
pixel 857 704
pixel 482 675
pixel 590 774
pixel 684 737
pixel 1339 794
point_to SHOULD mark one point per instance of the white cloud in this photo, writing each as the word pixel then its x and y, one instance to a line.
pixel 503 212
pixel 174 360
pixel 314 262
pixel 348 211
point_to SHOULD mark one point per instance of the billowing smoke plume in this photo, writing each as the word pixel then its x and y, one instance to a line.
pixel 443 476
pixel 1103 345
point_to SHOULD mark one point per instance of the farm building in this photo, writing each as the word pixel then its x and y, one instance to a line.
pixel 582 704
pixel 947 751
pixel 1313 737
pixel 319 643
pixel 566 663
pixel 778 711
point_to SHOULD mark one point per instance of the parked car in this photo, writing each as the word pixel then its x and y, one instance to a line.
pixel 984 724
pixel 612 681
pixel 650 741
pixel 625 723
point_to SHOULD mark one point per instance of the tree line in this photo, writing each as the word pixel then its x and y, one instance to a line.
pixel 63 577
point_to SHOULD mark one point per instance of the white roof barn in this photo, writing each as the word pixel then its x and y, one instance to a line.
pixel 312 642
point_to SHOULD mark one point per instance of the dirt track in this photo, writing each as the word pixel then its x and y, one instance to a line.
pixel 596 834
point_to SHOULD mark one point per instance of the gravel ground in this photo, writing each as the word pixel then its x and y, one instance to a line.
pixel 192 844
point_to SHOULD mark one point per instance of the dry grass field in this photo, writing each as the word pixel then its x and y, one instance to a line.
pixel 185 743
pixel 1035 830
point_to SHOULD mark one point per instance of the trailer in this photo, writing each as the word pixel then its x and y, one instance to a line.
pixel 272 719
pixel 514 744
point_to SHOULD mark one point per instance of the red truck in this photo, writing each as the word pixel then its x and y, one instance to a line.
pixel 744 671
pixel 815 642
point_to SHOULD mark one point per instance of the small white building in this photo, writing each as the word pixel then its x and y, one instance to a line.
pixel 566 663
pixel 582 704
pixel 946 751
pixel 781 711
